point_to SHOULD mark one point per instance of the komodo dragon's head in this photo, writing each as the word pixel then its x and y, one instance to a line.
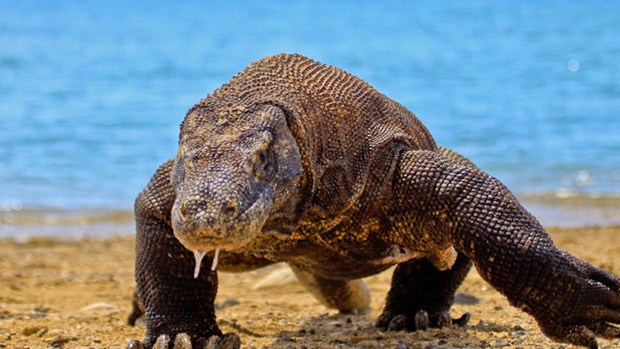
pixel 236 167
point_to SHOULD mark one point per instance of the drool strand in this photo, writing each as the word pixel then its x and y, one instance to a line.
pixel 215 257
pixel 198 255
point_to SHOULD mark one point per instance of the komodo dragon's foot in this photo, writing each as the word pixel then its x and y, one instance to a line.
pixel 183 341
pixel 421 295
pixel 397 320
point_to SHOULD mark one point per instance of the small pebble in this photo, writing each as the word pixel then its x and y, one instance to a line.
pixel 59 342
pixel 285 340
pixel 30 330
pixel 500 343
pixel 230 302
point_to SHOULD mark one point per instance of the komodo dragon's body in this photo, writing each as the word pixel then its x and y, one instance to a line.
pixel 300 162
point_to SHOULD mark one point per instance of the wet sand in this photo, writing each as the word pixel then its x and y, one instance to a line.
pixel 77 295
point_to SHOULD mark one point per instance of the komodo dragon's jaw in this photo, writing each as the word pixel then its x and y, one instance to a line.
pixel 227 225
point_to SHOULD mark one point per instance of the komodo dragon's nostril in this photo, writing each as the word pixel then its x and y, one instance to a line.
pixel 230 209
pixel 183 210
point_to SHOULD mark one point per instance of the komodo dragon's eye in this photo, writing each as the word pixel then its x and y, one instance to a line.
pixel 263 159
pixel 262 162
pixel 262 156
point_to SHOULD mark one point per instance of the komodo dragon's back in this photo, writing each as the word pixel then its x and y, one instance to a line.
pixel 328 103
pixel 343 125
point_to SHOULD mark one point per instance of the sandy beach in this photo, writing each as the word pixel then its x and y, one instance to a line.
pixel 77 295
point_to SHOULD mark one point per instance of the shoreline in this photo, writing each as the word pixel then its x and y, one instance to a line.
pixel 562 208
pixel 76 294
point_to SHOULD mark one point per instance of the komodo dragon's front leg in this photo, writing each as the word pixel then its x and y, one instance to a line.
pixel 571 300
pixel 179 308
pixel 421 295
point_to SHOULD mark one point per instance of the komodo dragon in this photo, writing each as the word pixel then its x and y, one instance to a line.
pixel 300 162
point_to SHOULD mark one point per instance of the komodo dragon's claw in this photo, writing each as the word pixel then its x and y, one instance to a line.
pixel 183 341
pixel 137 309
pixel 421 320
pixel 227 341
pixel 134 344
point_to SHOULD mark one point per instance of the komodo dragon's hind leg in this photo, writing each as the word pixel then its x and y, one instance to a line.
pixel 345 295
pixel 421 295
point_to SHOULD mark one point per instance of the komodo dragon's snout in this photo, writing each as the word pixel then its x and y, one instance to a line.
pixel 229 183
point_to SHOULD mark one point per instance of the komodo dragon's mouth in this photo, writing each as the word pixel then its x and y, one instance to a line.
pixel 201 240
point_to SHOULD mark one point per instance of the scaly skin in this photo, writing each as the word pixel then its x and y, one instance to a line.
pixel 299 162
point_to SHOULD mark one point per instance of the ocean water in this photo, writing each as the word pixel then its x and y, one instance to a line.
pixel 92 93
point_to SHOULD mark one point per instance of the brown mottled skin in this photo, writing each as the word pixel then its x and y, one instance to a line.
pixel 299 162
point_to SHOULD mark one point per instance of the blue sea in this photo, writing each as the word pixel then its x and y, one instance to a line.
pixel 92 93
